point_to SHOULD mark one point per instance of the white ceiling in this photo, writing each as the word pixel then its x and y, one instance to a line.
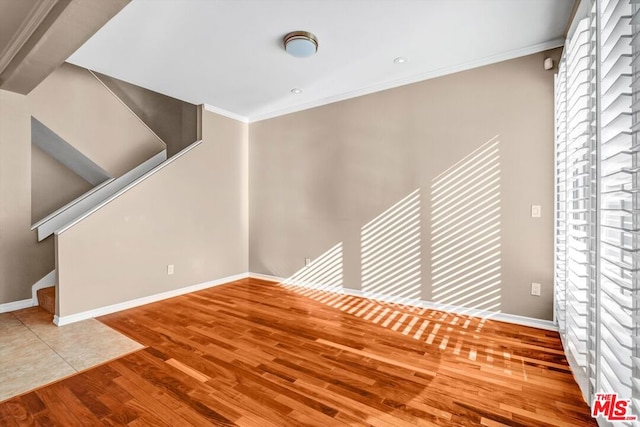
pixel 228 54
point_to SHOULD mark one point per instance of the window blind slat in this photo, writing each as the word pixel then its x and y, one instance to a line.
pixel 597 218
pixel 616 175
pixel 574 147
pixel 631 301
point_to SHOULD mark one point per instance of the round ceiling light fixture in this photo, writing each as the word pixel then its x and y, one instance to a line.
pixel 400 60
pixel 300 44
pixel 296 91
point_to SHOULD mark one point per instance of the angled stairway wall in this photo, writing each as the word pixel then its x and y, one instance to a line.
pixel 52 185
pixel 73 159
pixel 191 213
pixel 82 110
pixel 75 105
pixel 94 197
pixel 22 260
pixel 78 117
pixel 173 120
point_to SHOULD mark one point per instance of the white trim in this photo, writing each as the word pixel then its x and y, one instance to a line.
pixel 94 201
pixel 226 113
pixel 16 305
pixel 46 282
pixel 555 199
pixel 71 203
pixel 502 317
pixel 72 318
pixel 129 186
pixel 579 374
pixel 540 47
pixel 57 147
pixel 266 277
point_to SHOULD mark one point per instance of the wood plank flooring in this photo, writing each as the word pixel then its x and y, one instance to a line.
pixel 253 353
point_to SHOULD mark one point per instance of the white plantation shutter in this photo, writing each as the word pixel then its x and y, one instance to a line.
pixel 616 176
pixel 561 196
pixel 597 218
pixel 630 232
pixel 592 242
pixel 574 195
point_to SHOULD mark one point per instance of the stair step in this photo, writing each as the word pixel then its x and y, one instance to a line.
pixel 47 299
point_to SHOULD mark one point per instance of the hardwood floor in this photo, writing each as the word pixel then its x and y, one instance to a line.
pixel 252 353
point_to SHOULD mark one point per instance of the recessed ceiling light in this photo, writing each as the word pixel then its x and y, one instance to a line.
pixel 400 60
pixel 300 44
pixel 296 90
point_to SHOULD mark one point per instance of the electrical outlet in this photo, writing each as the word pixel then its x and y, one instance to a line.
pixel 536 211
pixel 535 289
pixel 170 269
pixel 307 262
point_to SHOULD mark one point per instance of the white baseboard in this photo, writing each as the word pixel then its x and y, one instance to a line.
pixel 72 318
pixel 46 282
pixel 503 317
pixel 16 305
pixel 266 277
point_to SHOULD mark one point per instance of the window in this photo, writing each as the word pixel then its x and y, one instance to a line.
pixel 597 212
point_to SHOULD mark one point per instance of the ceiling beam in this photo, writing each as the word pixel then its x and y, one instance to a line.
pixel 66 26
pixel 27 19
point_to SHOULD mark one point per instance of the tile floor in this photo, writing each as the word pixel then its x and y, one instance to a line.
pixel 35 352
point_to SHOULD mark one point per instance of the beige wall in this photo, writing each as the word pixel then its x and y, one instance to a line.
pixel 318 176
pixel 53 185
pixel 173 120
pixel 23 260
pixel 191 214
pixel 315 179
pixel 78 107
pixel 81 110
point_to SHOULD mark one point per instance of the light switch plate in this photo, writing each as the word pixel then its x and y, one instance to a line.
pixel 535 289
pixel 536 211
pixel 170 269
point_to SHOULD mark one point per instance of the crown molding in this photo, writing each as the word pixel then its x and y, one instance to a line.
pixel 226 113
pixel 540 47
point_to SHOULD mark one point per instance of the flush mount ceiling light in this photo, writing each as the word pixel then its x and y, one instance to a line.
pixel 296 90
pixel 300 44
pixel 400 60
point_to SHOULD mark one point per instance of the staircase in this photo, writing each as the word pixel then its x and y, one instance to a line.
pixel 105 189
pixel 79 207
pixel 86 205
pixel 69 132
pixel 47 299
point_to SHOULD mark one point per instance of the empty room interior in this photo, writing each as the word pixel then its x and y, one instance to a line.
pixel 267 213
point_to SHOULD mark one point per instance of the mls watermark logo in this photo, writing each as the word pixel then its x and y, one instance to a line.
pixel 611 408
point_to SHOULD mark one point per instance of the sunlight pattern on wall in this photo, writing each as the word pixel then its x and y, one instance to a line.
pixel 390 250
pixel 324 272
pixel 465 232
